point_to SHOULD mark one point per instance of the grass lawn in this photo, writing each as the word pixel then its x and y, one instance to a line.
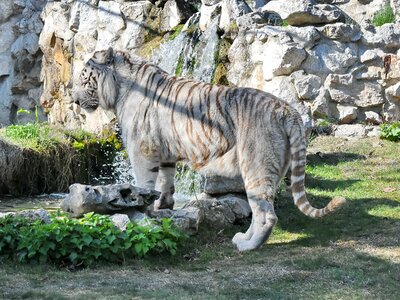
pixel 352 254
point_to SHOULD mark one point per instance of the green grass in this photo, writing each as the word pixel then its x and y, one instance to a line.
pixel 351 254
pixel 384 16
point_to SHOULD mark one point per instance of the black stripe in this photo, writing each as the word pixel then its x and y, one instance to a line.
pixel 167 165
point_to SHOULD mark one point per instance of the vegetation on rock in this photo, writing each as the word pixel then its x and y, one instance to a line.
pixel 384 16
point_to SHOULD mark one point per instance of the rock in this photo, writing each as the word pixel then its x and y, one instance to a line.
pixel 120 221
pixel 369 55
pixel 107 199
pixel 372 118
pixel 220 212
pixel 345 89
pixel 207 14
pixel 223 185
pixel 307 85
pixel 6 10
pixel 330 57
pixel 283 88
pixel 320 107
pixel 257 19
pixel 282 59
pixel 34 215
pixel 347 114
pixel 187 219
pixel 304 12
pixel 354 131
pixel 175 12
pixel 342 32
pixel 392 93
pixel 386 36
pixel 231 10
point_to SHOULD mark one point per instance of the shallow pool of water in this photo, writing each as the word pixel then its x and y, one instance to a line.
pixel 49 202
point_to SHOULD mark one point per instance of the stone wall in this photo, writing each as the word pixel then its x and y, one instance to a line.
pixel 20 60
pixel 325 57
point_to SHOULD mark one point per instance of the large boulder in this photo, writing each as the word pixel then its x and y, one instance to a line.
pixel 345 89
pixel 107 199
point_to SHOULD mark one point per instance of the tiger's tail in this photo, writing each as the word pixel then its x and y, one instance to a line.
pixel 296 133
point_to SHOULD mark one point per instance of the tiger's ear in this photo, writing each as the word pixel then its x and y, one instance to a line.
pixel 104 57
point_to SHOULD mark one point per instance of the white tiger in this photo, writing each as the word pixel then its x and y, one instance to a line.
pixel 217 129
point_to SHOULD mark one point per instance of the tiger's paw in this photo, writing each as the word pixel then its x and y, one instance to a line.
pixel 164 203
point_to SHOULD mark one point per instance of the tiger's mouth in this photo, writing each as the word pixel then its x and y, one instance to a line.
pixel 85 101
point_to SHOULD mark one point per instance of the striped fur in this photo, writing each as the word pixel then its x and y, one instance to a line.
pixel 217 129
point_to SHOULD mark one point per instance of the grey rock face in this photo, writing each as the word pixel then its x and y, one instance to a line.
pixel 223 185
pixel 107 199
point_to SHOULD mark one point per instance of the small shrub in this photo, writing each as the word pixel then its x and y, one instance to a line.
pixel 384 16
pixel 83 241
pixel 391 131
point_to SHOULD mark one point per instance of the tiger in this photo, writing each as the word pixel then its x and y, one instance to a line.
pixel 216 129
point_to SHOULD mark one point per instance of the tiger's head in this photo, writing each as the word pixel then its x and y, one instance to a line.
pixel 97 84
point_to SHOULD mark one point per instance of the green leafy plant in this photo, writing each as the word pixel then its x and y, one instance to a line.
pixel 391 131
pixel 83 241
pixel 384 16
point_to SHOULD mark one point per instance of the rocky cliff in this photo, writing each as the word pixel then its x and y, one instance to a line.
pixel 325 57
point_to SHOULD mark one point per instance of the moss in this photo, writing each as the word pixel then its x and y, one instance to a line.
pixel 179 66
pixel 175 32
pixel 221 61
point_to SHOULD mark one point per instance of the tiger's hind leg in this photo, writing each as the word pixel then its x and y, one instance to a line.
pixel 260 192
pixel 165 184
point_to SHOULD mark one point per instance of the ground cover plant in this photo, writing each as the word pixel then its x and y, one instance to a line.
pixel 390 131
pixel 72 242
pixel 384 16
pixel 352 254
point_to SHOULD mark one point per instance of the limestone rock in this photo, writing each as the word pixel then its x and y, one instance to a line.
pixel 304 12
pixel 307 85
pixel 107 199
pixel 120 221
pixel 221 212
pixel 347 114
pixel 320 107
pixel 330 57
pixel 207 14
pixel 345 89
pixel 187 219
pixel 386 36
pixel 282 59
pixel 342 32
pixel 257 19
pixel 223 185
pixel 175 12
pixel 392 93
pixel 230 11
pixel 372 118
pixel 355 131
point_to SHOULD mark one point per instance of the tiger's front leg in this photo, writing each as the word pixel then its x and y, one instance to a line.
pixel 165 184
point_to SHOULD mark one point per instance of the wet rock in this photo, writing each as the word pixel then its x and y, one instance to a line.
pixel 107 199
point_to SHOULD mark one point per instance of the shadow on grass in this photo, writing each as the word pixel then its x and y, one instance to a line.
pixel 332 158
pixel 352 221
